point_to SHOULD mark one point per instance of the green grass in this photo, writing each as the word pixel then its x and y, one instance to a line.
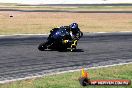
pixel 70 80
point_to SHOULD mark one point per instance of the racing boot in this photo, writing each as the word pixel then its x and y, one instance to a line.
pixel 73 45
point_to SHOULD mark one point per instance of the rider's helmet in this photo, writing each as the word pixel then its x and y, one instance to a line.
pixel 74 28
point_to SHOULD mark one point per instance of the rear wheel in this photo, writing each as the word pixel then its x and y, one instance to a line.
pixel 42 46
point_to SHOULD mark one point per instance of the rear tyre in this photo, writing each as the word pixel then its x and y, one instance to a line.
pixel 42 47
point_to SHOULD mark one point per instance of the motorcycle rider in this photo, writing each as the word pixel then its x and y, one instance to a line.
pixel 76 34
pixel 74 31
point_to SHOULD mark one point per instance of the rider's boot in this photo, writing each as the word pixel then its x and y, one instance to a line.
pixel 73 45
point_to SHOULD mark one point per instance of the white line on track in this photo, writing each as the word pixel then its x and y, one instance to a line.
pixel 37 76
pixel 22 35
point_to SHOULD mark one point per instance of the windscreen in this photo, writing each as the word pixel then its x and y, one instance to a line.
pixel 60 34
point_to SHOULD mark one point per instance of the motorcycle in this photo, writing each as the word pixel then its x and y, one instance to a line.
pixel 60 40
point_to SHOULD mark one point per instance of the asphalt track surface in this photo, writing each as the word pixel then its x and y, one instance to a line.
pixel 69 11
pixel 19 56
pixel 65 11
pixel 77 4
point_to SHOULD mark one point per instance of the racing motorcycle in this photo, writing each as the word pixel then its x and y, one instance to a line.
pixel 60 40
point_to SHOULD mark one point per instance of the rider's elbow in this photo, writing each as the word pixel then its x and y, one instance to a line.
pixel 81 34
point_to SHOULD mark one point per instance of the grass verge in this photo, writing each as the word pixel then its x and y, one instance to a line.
pixel 70 80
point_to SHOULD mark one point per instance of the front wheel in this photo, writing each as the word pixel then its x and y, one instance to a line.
pixel 42 47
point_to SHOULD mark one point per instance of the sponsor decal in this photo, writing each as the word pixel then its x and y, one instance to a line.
pixel 85 81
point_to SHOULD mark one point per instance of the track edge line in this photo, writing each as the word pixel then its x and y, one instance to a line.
pixel 38 76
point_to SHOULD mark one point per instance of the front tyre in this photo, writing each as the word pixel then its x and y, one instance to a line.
pixel 42 47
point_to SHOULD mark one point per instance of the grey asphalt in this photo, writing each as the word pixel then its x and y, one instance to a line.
pixel 19 56
pixel 68 11
pixel 65 11
pixel 123 4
